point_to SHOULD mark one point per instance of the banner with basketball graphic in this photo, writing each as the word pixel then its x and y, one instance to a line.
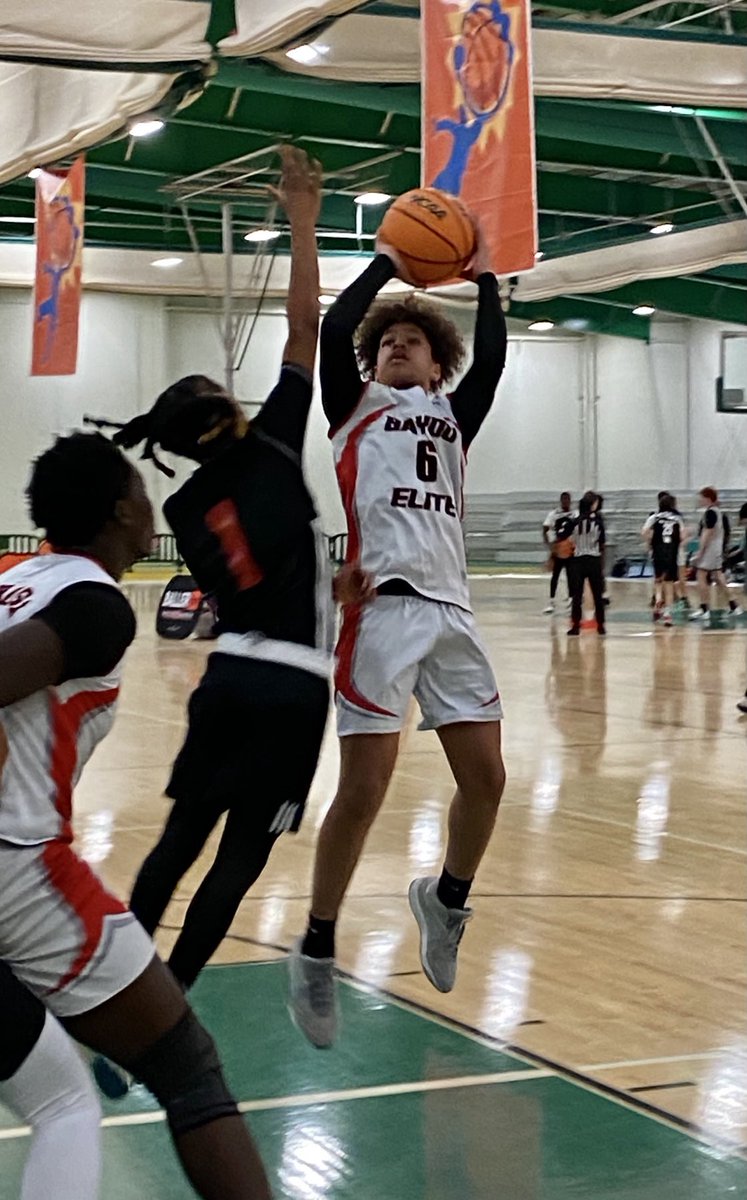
pixel 60 201
pixel 478 119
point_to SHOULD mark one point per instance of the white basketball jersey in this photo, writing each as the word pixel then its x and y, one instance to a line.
pixel 400 467
pixel 46 739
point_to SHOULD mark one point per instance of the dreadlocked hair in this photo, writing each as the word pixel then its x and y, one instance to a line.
pixel 191 415
pixel 75 486
pixel 443 337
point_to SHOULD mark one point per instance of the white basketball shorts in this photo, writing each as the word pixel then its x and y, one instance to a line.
pixel 398 646
pixel 63 934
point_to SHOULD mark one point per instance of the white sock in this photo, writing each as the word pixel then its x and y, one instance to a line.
pixel 53 1093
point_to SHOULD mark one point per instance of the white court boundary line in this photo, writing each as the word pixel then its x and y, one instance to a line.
pixel 311 1099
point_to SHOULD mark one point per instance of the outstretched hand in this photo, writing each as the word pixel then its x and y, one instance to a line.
pixel 353 585
pixel 480 263
pixel 300 188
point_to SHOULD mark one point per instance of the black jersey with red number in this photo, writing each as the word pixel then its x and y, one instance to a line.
pixel 246 527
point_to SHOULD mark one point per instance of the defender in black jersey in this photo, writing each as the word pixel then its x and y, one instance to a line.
pixel 246 527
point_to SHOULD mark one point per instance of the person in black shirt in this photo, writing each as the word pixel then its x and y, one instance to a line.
pixel 556 534
pixel 663 532
pixel 246 527
pixel 586 564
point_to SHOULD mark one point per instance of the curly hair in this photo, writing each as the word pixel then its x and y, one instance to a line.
pixel 75 486
pixel 443 336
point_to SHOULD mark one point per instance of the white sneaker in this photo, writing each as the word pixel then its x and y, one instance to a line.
pixel 736 612
pixel 699 615
pixel 666 617
pixel 441 930
pixel 312 996
pixel 550 608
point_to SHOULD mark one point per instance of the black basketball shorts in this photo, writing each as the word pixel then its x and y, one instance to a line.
pixel 254 737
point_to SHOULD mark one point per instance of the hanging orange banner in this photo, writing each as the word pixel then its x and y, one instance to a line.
pixel 60 202
pixel 478 119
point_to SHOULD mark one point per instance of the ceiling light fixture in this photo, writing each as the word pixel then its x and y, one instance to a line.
pixel 145 127
pixel 665 227
pixel 308 54
pixel 327 300
pixel 368 199
pixel 644 310
pixel 35 172
pixel 541 326
pixel 262 235
pixel 18 220
pixel 167 261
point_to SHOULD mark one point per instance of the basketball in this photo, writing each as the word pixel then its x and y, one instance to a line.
pixel 483 61
pixel 565 548
pixel 432 232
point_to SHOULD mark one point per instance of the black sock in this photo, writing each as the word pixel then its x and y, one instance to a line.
pixel 704 607
pixel 319 941
pixel 732 605
pixel 453 892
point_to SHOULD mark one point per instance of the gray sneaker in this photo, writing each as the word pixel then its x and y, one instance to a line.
pixel 441 930
pixel 312 1002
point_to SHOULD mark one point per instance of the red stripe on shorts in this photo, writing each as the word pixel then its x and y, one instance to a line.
pixel 345 653
pixel 67 718
pixel 83 893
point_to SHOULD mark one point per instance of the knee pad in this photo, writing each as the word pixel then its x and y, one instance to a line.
pixel 183 1071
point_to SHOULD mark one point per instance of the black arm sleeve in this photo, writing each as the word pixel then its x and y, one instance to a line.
pixel 338 366
pixel 474 395
pixel 95 624
pixel 285 413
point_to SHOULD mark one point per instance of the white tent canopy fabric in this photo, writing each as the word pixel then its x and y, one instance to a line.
pixel 106 31
pixel 567 63
pixel 49 112
pixel 683 253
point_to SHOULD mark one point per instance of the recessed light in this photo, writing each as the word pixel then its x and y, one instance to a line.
pixel 35 172
pixel 167 261
pixel 308 54
pixel 145 127
pixel 644 310
pixel 540 254
pixel 673 108
pixel 371 198
pixel 262 235
pixel 665 227
pixel 327 300
pixel 18 220
pixel 541 326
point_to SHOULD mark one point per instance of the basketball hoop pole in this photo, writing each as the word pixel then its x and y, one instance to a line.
pixel 229 331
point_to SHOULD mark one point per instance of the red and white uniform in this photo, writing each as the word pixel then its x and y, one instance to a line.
pixel 400 467
pixel 63 934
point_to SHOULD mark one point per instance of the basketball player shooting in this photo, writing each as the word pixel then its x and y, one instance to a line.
pixel 399 442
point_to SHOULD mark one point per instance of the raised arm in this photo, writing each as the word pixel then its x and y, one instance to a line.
pixel 284 415
pixel 473 396
pixel 338 366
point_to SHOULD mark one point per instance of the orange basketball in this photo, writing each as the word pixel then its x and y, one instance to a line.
pixel 432 232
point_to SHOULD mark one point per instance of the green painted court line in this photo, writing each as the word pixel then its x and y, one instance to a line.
pixel 575 1076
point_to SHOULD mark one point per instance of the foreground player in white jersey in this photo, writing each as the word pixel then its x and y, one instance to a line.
pixel 400 443
pixel 64 628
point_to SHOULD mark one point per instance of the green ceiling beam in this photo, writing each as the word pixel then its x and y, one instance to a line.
pixel 261 77
pixel 581 316
pixel 686 297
